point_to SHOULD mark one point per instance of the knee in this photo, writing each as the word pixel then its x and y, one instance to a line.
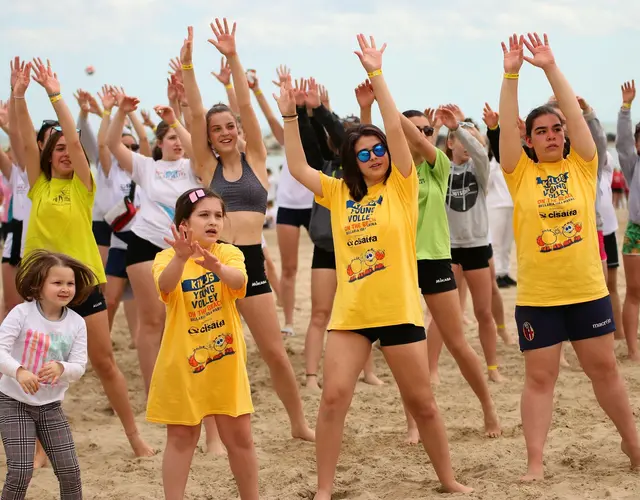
pixel 183 438
pixel 18 478
pixel 335 400
pixel 105 365
pixel 423 408
pixel 633 293
pixel 289 270
pixel 112 302
pixel 320 316
pixel 541 380
pixel 603 369
pixel 483 314
pixel 237 441
pixel 151 325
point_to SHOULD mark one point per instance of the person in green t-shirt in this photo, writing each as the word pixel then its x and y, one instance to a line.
pixel 435 275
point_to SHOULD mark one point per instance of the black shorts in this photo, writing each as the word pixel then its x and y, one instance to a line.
pixel 15 228
pixel 472 258
pixel 540 327
pixel 435 276
pixel 394 334
pixel 117 263
pixel 611 248
pixel 294 217
pixel 95 303
pixel 323 259
pixel 140 250
pixel 102 233
pixel 257 282
pixel 617 190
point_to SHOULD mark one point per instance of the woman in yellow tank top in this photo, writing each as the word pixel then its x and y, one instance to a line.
pixel 562 294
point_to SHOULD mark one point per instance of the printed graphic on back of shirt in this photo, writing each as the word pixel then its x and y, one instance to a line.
pixel 563 226
pixel 463 191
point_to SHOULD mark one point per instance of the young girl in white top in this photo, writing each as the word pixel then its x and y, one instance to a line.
pixel 43 347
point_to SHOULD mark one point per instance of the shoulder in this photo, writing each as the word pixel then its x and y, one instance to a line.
pixel 162 258
pixel 75 321
pixel 39 186
pixel 573 158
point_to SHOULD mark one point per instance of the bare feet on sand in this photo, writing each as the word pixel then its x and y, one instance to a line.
pixel 455 487
pixel 506 337
pixel 492 427
pixel 305 433
pixel 371 379
pixel 632 453
pixel 312 383
pixel 634 357
pixel 495 376
pixel 413 436
pixel 215 448
pixel 435 378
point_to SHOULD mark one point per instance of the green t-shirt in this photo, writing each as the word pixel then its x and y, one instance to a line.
pixel 432 241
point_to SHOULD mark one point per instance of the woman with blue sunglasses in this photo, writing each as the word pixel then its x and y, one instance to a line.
pixel 374 213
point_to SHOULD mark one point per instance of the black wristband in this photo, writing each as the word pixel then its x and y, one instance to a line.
pixel 290 116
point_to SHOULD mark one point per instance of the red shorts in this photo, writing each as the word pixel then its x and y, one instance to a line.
pixel 603 253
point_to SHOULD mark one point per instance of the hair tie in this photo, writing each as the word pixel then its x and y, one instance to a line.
pixel 195 195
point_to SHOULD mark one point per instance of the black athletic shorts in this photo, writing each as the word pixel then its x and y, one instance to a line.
pixel 435 276
pixel 394 334
pixel 323 259
pixel 472 258
pixel 257 282
pixel 15 228
pixel 117 263
pixel 294 217
pixel 102 233
pixel 94 303
pixel 140 250
pixel 611 248
pixel 546 326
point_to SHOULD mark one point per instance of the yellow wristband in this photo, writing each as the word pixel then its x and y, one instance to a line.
pixel 511 76
pixel 55 98
pixel 258 92
pixel 187 67
pixel 626 105
pixel 174 124
pixel 154 129
pixel 492 367
pixel 377 72
pixel 494 128
pixel 229 86
pixel 106 112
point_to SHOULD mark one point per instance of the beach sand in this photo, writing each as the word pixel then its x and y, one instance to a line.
pixel 583 457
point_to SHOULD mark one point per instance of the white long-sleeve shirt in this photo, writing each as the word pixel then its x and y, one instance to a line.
pixel 29 340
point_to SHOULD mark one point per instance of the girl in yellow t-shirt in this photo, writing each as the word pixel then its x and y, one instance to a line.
pixel 374 214
pixel 201 367
pixel 562 294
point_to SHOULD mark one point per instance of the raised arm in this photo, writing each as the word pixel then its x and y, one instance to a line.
pixel 28 136
pixel 15 138
pixel 124 156
pixel 203 161
pixel 225 42
pixel 168 116
pixel 324 116
pixel 371 59
pixel 625 141
pixel 491 120
pixel 274 124
pixel 418 140
pixel 510 145
pixel 581 140
pixel 45 76
pixel 296 161
pixel 5 161
pixel 597 133
pixel 108 102
pixel 224 77
pixel 143 140
pixel 87 137
pixel 366 97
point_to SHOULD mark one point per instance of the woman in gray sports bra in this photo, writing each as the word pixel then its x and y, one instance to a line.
pixel 241 179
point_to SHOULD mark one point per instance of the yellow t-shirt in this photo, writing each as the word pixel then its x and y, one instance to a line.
pixel 60 221
pixel 201 368
pixel 555 231
pixel 375 247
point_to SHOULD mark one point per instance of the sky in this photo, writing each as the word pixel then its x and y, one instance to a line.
pixel 438 52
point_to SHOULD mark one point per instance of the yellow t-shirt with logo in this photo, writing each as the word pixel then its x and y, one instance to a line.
pixel 555 231
pixel 61 221
pixel 375 247
pixel 201 368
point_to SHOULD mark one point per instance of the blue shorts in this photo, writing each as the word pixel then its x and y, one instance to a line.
pixel 540 327
pixel 117 263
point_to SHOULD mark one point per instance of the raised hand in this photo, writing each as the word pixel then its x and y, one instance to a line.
pixel 172 90
pixel 457 112
pixel 584 105
pixel 81 97
pixel 490 117
pixel 224 77
pixel 225 41
pixel 286 101
pixel 283 73
pixel 126 103
pixel 94 107
pixel 514 57
pixel 433 120
pixel 50 372
pixel 4 114
pixel 23 78
pixel 107 97
pixel 208 260
pixel 179 87
pixel 522 126
pixel 369 55
pixel 324 97
pixel 146 119
pixel 628 92
pixel 45 76
pixel 166 114
pixel 16 67
pixel 300 92
pixel 182 242
pixel 186 53
pixel 542 55
pixel 448 118
pixel 365 95
pixel 313 95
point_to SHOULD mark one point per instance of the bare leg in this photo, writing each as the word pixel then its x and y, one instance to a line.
pixel 236 436
pixel 113 295
pixel 536 404
pixel 612 285
pixel 631 306
pixel 497 308
pixel 434 348
pixel 131 313
pixel 370 371
pixel 288 241
pixel 214 443
pixel 10 295
pixel 259 312
pixel 272 273
pixel 176 462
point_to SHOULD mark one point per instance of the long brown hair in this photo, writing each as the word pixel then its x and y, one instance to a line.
pixel 35 267
pixel 47 154
pixel 185 207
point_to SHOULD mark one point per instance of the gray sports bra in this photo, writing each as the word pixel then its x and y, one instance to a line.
pixel 246 194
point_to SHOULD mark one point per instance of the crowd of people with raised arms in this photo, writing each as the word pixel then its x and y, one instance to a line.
pixel 173 228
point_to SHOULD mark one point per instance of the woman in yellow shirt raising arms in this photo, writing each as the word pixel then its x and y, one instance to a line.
pixel 562 294
pixel 374 214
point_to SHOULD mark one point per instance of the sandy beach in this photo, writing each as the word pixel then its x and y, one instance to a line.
pixel 583 457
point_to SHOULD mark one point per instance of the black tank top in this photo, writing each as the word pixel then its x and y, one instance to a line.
pixel 247 194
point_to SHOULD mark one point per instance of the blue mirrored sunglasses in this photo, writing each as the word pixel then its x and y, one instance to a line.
pixel 58 128
pixel 364 155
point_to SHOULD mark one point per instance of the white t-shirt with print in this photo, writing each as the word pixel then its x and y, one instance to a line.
pixel 102 202
pixel 29 340
pixel 21 206
pixel 119 183
pixel 162 182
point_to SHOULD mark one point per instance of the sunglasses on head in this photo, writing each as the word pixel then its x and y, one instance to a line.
pixel 132 147
pixel 427 130
pixel 49 123
pixel 58 128
pixel 364 155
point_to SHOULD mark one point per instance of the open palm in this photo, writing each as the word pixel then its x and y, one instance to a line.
pixel 369 55
pixel 514 56
pixel 542 54
pixel 225 40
